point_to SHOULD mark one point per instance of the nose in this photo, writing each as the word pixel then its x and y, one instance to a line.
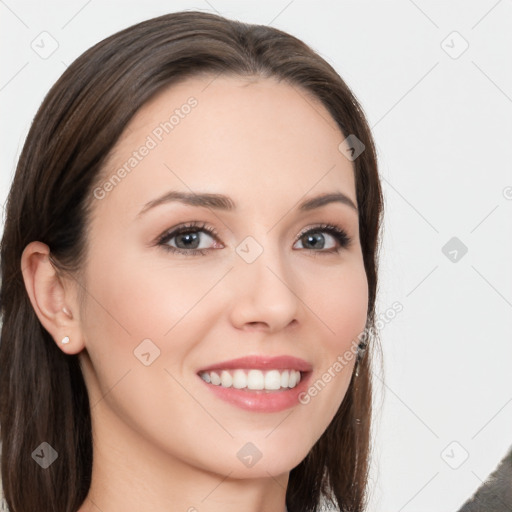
pixel 265 298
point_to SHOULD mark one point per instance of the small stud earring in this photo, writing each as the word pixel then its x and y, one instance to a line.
pixel 65 340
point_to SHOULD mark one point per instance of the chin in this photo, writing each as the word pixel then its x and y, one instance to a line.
pixel 263 457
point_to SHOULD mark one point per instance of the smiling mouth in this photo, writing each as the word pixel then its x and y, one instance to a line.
pixel 253 379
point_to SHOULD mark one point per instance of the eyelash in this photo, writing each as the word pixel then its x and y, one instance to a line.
pixel 339 234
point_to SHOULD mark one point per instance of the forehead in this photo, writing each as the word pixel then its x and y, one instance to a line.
pixel 243 137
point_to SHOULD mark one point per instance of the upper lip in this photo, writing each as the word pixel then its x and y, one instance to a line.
pixel 261 363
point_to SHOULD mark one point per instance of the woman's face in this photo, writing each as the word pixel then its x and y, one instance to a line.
pixel 268 281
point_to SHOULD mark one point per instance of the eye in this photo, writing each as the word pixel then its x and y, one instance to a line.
pixel 313 237
pixel 187 239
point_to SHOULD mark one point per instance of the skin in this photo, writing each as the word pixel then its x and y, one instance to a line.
pixel 160 436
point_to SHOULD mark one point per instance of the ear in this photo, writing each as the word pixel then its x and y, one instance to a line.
pixel 52 297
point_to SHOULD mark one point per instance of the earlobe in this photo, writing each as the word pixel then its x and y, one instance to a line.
pixel 51 301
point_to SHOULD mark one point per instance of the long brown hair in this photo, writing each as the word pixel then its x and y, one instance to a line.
pixel 43 397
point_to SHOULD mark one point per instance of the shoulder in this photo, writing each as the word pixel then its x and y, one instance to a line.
pixel 496 492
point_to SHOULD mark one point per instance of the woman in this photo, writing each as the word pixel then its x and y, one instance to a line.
pixel 141 377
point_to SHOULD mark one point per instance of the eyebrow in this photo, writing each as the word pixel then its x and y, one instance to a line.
pixel 225 203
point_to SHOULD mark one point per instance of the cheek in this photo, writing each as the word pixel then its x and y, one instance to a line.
pixel 146 297
pixel 350 308
pixel 131 300
pixel 339 300
pixel 342 309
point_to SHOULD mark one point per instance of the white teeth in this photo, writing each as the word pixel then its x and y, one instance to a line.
pixel 272 380
pixel 284 379
pixel 225 379
pixel 239 379
pixel 214 378
pixel 253 379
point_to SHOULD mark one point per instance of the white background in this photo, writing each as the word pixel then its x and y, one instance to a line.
pixel 443 128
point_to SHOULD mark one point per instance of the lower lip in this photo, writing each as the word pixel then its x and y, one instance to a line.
pixel 261 400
